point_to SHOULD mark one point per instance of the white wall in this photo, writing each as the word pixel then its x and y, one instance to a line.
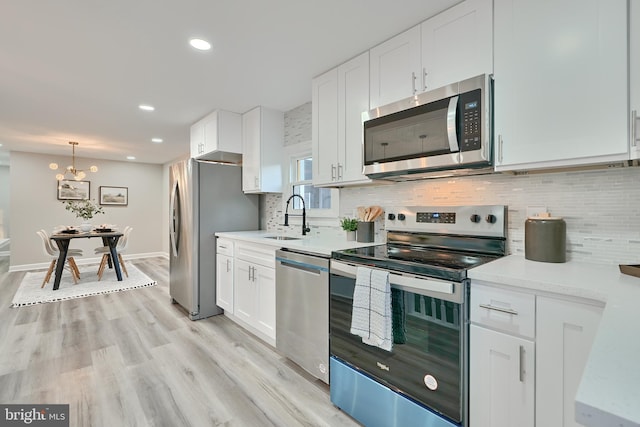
pixel 4 202
pixel 34 205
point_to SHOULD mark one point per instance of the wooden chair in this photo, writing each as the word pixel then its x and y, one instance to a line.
pixel 120 248
pixel 54 253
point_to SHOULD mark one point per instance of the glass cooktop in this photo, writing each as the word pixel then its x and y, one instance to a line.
pixel 438 263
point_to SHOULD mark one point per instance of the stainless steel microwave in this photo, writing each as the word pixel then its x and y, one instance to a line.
pixel 443 132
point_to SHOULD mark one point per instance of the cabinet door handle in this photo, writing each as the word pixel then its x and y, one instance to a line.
pixel 413 82
pixel 333 172
pixel 634 137
pixel 339 171
pixel 499 148
pixel 522 370
pixel 424 78
pixel 500 309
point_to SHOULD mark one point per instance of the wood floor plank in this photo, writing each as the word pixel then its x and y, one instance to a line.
pixel 134 359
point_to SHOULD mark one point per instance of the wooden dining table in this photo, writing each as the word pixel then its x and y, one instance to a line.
pixel 63 240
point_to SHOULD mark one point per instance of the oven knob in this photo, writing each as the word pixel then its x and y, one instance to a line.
pixel 475 218
pixel 401 217
pixel 491 219
pixel 391 216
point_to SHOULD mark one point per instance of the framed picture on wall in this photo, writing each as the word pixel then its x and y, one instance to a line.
pixel 69 189
pixel 118 196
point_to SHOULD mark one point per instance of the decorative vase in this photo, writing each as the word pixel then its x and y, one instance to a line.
pixel 86 226
pixel 351 236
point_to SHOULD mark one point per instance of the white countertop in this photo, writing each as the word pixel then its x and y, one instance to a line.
pixel 609 392
pixel 319 244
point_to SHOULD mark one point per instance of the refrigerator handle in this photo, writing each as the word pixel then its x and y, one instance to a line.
pixel 173 229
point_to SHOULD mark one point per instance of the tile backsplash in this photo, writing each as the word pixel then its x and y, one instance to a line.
pixel 601 207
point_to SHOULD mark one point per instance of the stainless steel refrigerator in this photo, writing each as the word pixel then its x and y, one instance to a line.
pixel 205 198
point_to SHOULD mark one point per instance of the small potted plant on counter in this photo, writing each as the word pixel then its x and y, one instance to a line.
pixel 350 225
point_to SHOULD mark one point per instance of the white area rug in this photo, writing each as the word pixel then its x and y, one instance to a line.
pixel 30 293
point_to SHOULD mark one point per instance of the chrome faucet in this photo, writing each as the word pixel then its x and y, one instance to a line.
pixel 305 229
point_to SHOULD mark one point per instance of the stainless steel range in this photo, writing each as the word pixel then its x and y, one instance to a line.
pixel 422 380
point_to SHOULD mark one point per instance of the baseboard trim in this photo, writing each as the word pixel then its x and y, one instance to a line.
pixel 85 261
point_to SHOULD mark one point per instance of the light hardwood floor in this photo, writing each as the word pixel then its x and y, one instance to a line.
pixel 133 359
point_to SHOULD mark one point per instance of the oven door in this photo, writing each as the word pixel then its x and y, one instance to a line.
pixel 428 359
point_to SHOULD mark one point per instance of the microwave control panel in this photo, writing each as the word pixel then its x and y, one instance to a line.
pixel 470 107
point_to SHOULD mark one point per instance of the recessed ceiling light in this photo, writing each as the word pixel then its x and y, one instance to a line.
pixel 200 44
pixel 131 157
pixel 146 107
pixel 156 140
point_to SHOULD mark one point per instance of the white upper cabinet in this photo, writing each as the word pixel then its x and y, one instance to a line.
pixel 324 127
pixel 262 141
pixel 340 96
pixel 457 44
pixel 218 136
pixel 634 67
pixel 395 68
pixel 560 70
pixel 451 46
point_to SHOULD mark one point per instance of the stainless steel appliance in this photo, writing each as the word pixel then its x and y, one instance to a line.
pixel 422 381
pixel 302 310
pixel 442 132
pixel 205 198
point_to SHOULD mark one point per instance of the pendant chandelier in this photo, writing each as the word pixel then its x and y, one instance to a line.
pixel 74 173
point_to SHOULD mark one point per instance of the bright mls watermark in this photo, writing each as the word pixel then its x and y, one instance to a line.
pixel 34 415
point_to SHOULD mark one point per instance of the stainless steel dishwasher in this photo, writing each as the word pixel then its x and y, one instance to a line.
pixel 302 310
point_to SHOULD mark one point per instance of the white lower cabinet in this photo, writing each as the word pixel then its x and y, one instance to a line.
pixel 502 379
pixel 526 356
pixel 502 358
pixel 224 274
pixel 565 332
pixel 255 289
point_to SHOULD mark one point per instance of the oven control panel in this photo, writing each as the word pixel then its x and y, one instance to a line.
pixel 436 217
pixel 485 220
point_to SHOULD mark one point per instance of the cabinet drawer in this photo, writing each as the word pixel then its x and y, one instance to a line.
pixel 256 254
pixel 508 311
pixel 224 246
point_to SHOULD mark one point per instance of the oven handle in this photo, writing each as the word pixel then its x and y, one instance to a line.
pixel 419 285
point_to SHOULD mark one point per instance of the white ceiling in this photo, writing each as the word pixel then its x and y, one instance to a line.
pixel 76 70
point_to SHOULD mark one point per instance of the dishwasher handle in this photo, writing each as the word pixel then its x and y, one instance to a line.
pixel 298 265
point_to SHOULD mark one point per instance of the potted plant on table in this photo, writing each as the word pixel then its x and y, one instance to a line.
pixel 84 209
pixel 350 225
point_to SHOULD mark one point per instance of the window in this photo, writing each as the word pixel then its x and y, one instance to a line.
pixel 319 202
pixel 314 198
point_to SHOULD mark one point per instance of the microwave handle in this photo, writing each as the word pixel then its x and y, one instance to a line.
pixel 451 125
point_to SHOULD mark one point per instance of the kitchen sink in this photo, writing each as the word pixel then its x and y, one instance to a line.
pixel 282 238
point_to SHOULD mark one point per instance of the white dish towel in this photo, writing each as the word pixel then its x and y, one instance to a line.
pixel 371 314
